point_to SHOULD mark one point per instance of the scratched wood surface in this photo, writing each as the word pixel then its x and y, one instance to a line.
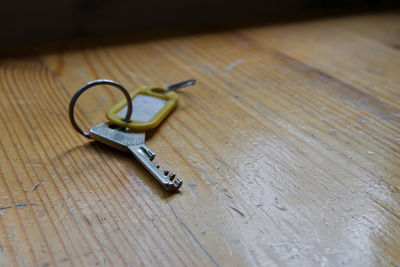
pixel 288 146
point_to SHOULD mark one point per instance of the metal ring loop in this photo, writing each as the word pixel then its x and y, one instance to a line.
pixel 86 87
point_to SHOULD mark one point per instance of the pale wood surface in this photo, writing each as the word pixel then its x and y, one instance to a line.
pixel 288 146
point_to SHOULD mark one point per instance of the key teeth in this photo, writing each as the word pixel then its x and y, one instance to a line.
pixel 178 183
pixel 148 152
pixel 171 176
pixel 175 183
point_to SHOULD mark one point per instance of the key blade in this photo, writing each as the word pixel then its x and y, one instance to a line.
pixel 145 156
pixel 134 143
pixel 116 138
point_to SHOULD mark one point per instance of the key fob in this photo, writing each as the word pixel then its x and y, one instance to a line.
pixel 151 104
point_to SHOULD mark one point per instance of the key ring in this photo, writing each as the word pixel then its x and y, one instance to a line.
pixel 86 87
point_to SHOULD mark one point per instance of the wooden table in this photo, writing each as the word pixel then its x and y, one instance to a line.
pixel 288 146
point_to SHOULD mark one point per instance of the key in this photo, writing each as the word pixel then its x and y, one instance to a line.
pixel 133 143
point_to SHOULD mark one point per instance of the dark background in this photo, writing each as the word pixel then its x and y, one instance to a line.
pixel 27 21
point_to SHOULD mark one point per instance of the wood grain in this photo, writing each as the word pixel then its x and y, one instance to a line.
pixel 289 146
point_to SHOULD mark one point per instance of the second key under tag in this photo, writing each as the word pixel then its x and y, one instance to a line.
pixel 151 104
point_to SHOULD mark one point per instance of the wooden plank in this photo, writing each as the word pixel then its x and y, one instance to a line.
pixel 338 51
pixel 288 147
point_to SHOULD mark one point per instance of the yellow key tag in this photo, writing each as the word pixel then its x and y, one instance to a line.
pixel 151 104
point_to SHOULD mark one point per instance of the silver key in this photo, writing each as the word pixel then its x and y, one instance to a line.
pixel 134 143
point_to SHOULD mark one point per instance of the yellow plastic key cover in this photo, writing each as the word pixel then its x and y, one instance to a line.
pixel 151 104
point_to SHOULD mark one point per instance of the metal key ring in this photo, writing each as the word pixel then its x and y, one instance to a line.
pixel 86 87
